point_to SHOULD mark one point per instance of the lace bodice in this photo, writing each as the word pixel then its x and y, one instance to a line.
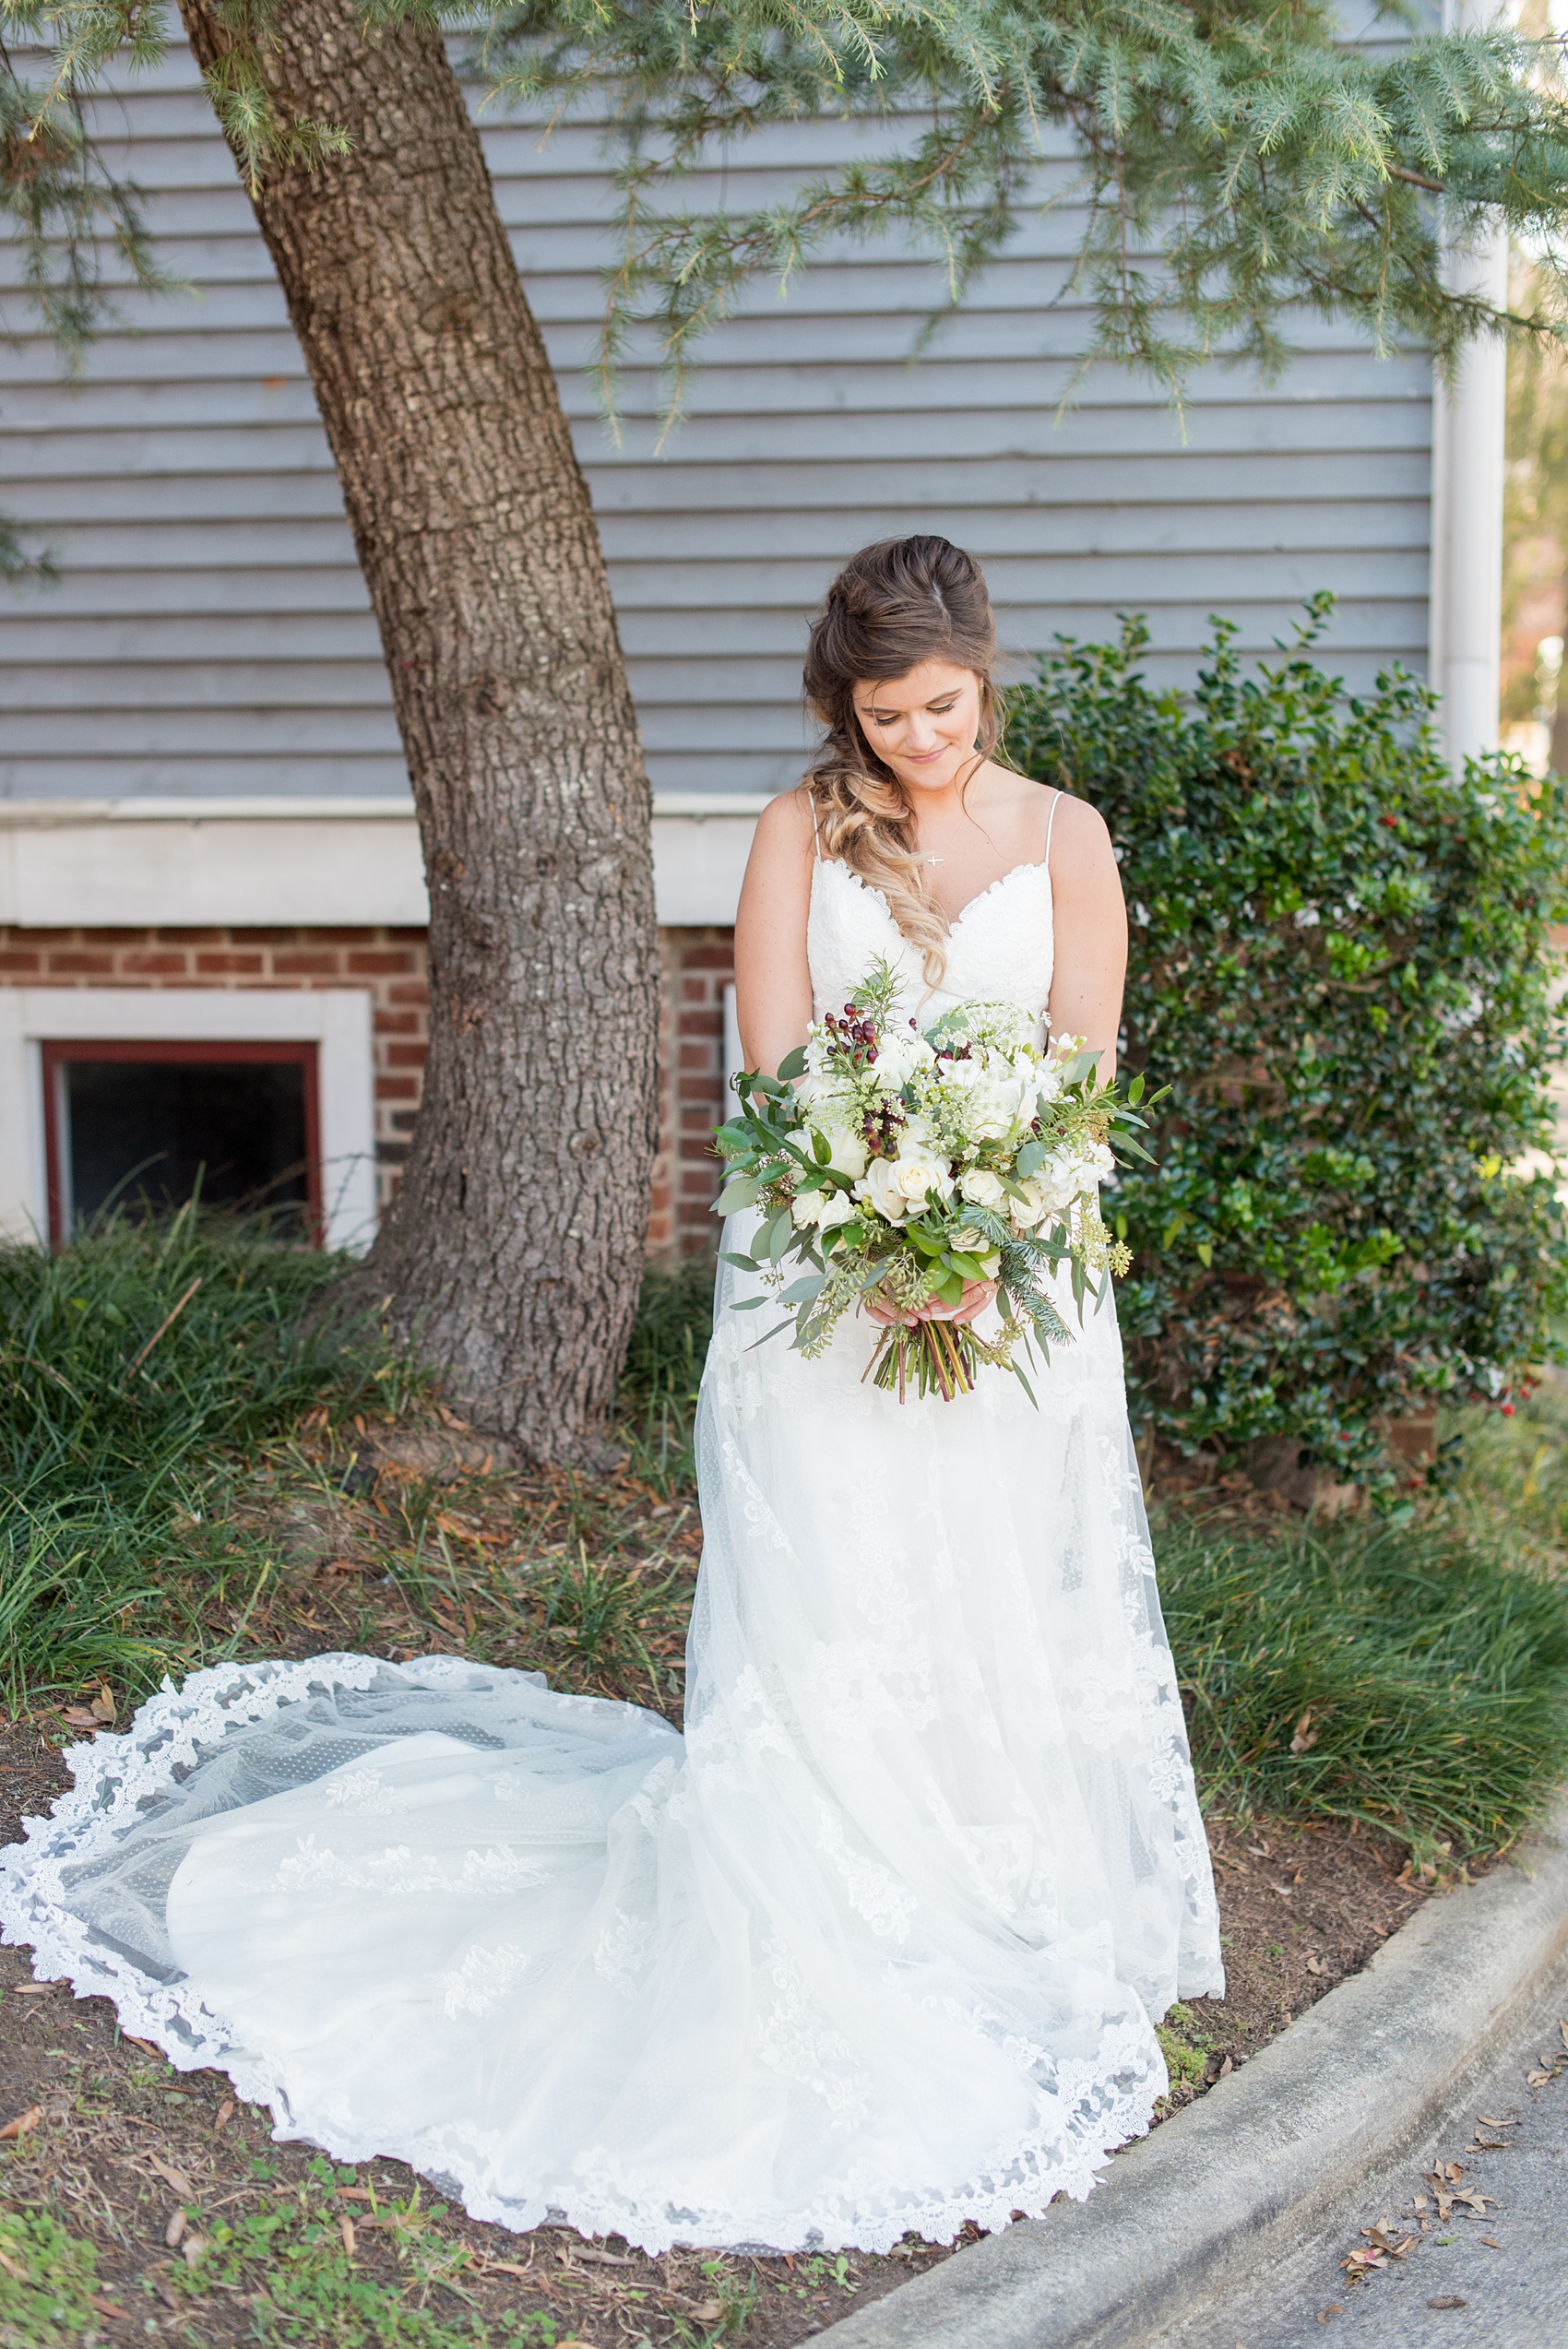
pixel 1001 949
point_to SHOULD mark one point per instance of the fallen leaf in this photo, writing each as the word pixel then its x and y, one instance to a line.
pixel 1487 2121
pixel 354 2194
pixel 1487 2145
pixel 225 2114
pixel 23 2122
pixel 1448 2300
pixel 108 2308
pixel 506 2267
pixel 1333 2309
pixel 1491 2241
pixel 1226 2068
pixel 709 2311
pixel 175 2177
pixel 35 1990
pixel 79 1717
pixel 174 2229
pixel 192 2249
pixel 1314 1966
pixel 102 1707
pixel 151 2047
pixel 346 2229
pixel 1306 1735
pixel 604 2258
pixel 1536 2078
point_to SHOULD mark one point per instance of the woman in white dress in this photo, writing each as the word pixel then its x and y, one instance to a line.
pixel 880 1945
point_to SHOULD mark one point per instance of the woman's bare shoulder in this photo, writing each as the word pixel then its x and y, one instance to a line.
pixel 785 822
pixel 1080 838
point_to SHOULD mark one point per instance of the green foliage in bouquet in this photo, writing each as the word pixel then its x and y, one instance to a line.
pixel 900 1167
pixel 1340 967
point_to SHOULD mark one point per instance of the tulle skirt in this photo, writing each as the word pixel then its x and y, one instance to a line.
pixel 878 1946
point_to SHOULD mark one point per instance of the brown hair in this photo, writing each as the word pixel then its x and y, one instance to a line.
pixel 893 606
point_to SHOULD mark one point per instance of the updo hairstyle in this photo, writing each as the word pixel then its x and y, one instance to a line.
pixel 893 606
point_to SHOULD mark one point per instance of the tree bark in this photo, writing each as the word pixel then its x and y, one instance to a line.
pixel 513 1245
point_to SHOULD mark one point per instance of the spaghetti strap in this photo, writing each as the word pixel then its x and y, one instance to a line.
pixel 1051 819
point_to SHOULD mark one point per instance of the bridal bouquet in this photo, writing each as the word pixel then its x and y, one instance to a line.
pixel 893 1164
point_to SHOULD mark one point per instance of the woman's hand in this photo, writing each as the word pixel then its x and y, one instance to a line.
pixel 977 1295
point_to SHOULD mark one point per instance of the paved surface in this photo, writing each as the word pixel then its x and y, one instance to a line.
pixel 1515 2295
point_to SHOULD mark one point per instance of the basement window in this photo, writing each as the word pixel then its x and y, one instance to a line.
pixel 144 1127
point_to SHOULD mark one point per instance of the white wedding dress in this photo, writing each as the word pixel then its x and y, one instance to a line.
pixel 879 1946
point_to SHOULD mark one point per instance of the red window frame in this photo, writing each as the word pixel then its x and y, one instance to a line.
pixel 216 1052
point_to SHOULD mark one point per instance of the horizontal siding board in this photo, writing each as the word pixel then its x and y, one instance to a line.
pixel 242 589
pixel 196 686
pixel 212 631
pixel 226 733
pixel 207 775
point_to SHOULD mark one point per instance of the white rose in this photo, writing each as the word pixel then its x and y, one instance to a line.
pixel 881 1189
pixel 981 1189
pixel 820 1209
pixel 850 1152
pixel 916 1176
pixel 1054 1188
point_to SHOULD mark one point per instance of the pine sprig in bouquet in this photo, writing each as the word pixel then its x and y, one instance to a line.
pixel 892 1165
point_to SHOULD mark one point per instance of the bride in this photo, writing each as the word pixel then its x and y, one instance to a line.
pixel 881 1944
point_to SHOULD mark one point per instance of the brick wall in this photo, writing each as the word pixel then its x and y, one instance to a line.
pixel 391 966
pixel 697 965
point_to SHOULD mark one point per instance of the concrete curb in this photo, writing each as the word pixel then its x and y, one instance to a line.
pixel 1243 2178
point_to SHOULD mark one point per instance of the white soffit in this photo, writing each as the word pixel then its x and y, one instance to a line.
pixel 170 863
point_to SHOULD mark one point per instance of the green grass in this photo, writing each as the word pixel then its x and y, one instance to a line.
pixel 48 2280
pixel 135 1368
pixel 290 2258
pixel 1415 1676
pixel 664 1360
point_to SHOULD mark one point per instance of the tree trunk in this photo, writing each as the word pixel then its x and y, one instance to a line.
pixel 513 1245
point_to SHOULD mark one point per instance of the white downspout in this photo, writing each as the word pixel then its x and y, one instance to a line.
pixel 1464 627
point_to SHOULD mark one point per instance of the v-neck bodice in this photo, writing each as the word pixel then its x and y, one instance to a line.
pixel 1000 949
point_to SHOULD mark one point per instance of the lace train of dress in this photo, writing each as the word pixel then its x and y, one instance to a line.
pixel 878 1946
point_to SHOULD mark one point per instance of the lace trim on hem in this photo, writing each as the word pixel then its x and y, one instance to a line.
pixel 113 1773
pixel 113 1776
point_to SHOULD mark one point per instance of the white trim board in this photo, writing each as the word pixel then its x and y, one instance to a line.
pixel 164 864
pixel 336 1019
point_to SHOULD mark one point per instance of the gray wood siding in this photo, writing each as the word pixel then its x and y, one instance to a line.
pixel 210 634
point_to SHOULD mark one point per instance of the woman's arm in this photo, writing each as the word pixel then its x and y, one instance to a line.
pixel 1091 922
pixel 773 987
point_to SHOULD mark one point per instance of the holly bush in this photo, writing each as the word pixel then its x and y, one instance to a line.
pixel 1341 968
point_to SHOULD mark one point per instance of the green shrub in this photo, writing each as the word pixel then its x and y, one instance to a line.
pixel 1340 968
